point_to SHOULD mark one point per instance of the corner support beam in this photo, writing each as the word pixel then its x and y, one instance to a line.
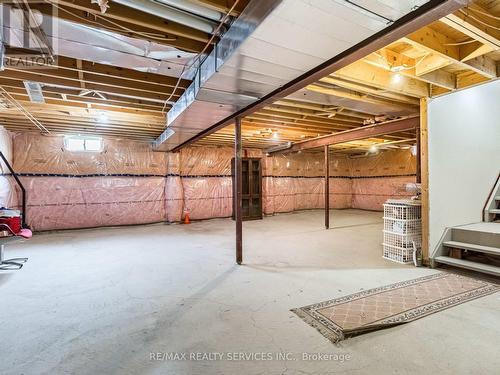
pixel 238 187
pixel 327 188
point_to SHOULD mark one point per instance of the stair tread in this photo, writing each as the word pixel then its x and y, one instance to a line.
pixel 495 211
pixel 497 198
pixel 472 246
pixel 474 266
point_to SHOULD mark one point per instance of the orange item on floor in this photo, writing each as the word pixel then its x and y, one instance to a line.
pixel 186 218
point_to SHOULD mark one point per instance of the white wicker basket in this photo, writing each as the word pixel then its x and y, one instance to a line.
pixel 402 230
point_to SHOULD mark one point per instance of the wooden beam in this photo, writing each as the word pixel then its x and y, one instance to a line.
pixel 446 47
pixel 363 132
pixel 15 78
pixel 388 59
pixel 238 190
pixel 431 63
pixel 91 75
pixel 353 112
pixel 367 74
pixel 352 95
pixel 472 22
pixel 424 171
pixel 361 88
pixel 66 67
pixel 224 5
pixel 475 49
pixel 128 22
pixel 68 99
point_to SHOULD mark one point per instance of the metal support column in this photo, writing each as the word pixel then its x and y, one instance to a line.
pixel 238 190
pixel 327 188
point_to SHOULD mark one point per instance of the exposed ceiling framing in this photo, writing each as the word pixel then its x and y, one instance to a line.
pixel 459 50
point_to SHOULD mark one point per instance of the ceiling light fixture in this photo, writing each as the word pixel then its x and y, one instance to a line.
pixel 103 117
pixel 396 78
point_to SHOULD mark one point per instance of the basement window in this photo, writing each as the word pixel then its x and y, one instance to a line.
pixel 83 144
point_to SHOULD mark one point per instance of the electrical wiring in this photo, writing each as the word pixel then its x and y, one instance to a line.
pixel 478 20
pixel 197 57
pixel 118 26
pixel 402 66
pixel 460 43
pixel 474 10
pixel 23 110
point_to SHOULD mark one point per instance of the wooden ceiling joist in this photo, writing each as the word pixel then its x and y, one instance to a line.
pixel 440 44
pixel 364 132
pixel 126 21
pixel 365 73
pixel 459 50
pixel 104 85
pixel 473 22
pixel 412 68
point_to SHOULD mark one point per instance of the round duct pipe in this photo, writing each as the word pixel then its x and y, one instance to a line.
pixel 193 8
pixel 170 14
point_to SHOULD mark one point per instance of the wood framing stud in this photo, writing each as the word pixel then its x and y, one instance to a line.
pixel 424 171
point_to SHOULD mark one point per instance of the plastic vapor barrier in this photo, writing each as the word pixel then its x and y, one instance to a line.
pixel 64 203
pixel 123 184
pixel 128 183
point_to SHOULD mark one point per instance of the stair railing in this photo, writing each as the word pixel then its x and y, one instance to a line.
pixel 19 183
pixel 491 202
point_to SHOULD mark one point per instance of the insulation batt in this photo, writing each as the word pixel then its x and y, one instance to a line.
pixel 128 183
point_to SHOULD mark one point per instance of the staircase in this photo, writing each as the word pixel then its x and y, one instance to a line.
pixel 476 246
pixel 492 207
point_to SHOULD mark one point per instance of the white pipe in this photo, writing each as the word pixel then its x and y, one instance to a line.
pixel 194 8
pixel 170 14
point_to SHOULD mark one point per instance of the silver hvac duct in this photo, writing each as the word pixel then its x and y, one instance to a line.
pixel 194 8
pixel 171 14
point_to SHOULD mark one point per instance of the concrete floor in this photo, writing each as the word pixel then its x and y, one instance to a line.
pixel 101 301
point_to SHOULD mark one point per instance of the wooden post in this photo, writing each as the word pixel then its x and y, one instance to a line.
pixel 238 190
pixel 418 161
pixel 327 188
pixel 424 179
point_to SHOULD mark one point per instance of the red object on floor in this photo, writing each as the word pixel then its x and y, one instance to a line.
pixel 186 218
pixel 15 228
pixel 14 223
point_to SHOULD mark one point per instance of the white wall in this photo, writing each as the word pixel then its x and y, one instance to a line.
pixel 464 156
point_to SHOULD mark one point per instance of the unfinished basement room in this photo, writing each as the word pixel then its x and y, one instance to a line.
pixel 209 187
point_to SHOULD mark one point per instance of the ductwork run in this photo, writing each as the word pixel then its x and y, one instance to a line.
pixel 171 14
pixel 268 45
pixel 82 42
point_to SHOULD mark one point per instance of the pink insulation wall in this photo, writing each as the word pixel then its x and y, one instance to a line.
pixel 123 184
pixel 127 183
pixel 295 182
pixel 378 178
